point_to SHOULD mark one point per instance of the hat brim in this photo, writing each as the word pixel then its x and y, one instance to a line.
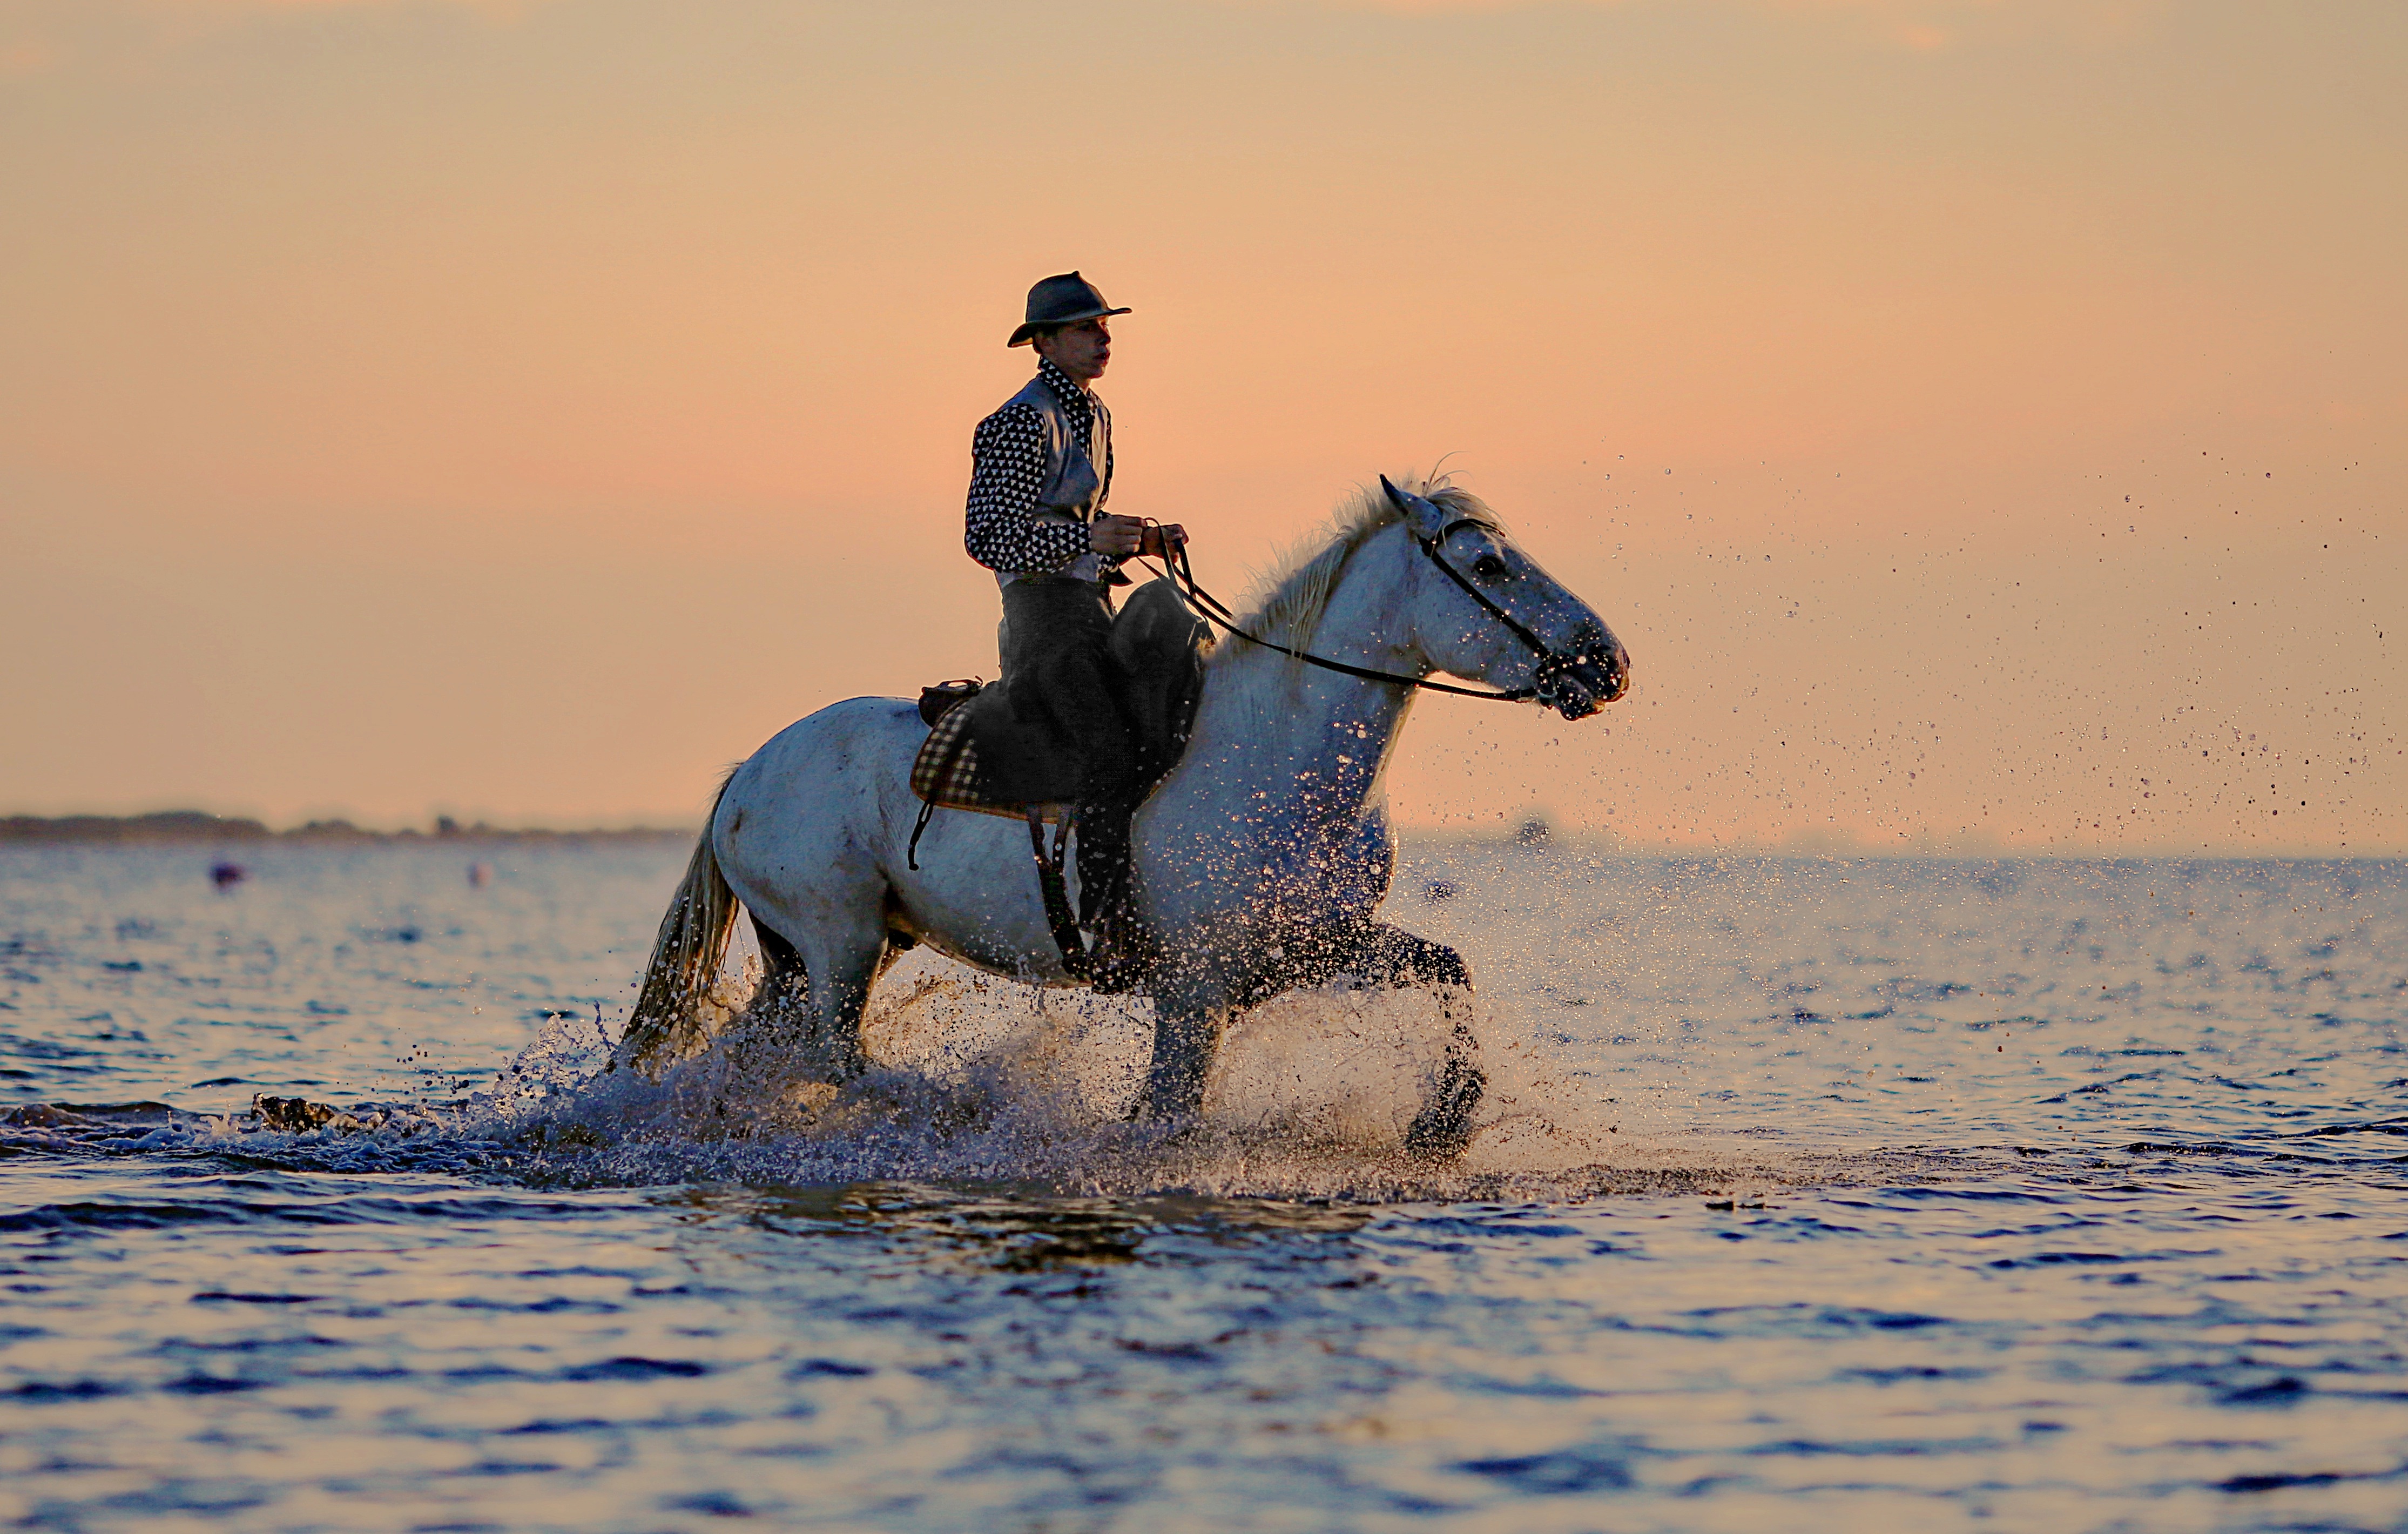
pixel 1027 333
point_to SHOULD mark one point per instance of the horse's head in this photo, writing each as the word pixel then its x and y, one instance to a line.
pixel 1487 613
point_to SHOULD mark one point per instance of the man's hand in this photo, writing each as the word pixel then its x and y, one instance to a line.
pixel 1121 537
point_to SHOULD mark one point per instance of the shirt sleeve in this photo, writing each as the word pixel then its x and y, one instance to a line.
pixel 1007 469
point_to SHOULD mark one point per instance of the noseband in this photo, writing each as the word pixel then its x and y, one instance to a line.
pixel 1551 667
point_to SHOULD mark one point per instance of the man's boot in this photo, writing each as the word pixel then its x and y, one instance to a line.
pixel 1121 955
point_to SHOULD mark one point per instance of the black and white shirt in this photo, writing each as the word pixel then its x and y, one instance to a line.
pixel 1008 469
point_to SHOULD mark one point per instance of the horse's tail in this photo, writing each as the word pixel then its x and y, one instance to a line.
pixel 687 956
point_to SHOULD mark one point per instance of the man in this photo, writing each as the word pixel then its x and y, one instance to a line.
pixel 1042 469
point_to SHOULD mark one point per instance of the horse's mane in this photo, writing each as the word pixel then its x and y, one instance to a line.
pixel 1288 600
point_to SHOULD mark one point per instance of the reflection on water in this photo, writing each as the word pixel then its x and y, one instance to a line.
pixel 1030 1231
pixel 1811 1195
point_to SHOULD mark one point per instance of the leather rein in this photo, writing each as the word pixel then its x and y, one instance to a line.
pixel 1551 665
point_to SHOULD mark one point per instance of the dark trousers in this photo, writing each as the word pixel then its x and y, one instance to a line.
pixel 1073 726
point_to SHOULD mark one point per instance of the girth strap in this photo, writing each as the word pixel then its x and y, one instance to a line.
pixel 911 853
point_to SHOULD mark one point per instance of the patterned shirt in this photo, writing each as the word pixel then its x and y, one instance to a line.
pixel 1007 471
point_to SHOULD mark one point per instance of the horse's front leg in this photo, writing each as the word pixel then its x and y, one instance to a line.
pixel 1186 1039
pixel 1194 1001
pixel 1203 977
pixel 1388 955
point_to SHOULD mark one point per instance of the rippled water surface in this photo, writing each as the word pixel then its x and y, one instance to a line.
pixel 1809 1194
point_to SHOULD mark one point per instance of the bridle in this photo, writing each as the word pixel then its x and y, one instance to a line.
pixel 1551 663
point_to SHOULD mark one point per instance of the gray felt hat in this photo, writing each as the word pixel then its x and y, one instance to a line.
pixel 1061 300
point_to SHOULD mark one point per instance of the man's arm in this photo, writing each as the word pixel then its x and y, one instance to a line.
pixel 1006 469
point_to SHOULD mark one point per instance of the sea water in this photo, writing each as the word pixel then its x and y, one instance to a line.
pixel 1807 1194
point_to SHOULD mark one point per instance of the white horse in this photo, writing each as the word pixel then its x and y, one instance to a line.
pixel 1258 861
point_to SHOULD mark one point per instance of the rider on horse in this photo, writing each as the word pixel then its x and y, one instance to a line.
pixel 1042 471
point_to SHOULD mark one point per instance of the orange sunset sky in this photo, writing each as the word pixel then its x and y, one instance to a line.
pixel 1982 421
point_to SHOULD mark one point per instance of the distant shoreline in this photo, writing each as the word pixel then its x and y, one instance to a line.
pixel 193 826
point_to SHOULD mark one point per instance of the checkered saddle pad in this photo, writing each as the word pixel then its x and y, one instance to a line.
pixel 945 773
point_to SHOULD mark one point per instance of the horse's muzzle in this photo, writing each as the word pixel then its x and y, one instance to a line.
pixel 1578 684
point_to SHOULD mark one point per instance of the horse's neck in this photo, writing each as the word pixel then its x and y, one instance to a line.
pixel 1301 748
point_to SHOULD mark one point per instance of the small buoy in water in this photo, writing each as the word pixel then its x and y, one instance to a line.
pixel 225 876
pixel 479 875
pixel 1438 889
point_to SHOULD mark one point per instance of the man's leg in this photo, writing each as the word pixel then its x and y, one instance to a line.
pixel 1065 682
pixel 1104 857
pixel 1108 798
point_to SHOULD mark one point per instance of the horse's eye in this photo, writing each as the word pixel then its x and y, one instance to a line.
pixel 1488 568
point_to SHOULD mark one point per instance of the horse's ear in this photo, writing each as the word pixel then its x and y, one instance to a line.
pixel 1422 517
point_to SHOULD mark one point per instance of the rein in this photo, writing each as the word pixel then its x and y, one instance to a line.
pixel 1183 576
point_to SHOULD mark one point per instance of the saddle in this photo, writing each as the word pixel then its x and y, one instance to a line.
pixel 1160 646
pixel 945 774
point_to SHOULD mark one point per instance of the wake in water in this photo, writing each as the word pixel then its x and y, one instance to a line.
pixel 983 1081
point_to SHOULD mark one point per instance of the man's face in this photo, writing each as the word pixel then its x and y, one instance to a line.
pixel 1083 350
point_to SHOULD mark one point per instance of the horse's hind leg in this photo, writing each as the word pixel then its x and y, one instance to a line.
pixel 810 1004
pixel 785 980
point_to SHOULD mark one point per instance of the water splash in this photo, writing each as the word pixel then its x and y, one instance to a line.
pixel 983 1081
